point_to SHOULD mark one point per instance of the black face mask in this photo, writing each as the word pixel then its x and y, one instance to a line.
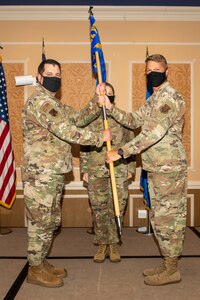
pixel 52 84
pixel 111 98
pixel 156 78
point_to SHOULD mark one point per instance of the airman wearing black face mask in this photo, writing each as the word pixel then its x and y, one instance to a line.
pixel 49 129
pixel 96 173
pixel 160 143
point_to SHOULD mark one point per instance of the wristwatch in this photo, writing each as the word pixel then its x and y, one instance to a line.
pixel 120 151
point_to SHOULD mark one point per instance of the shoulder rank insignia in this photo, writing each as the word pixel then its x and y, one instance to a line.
pixel 53 112
pixel 165 108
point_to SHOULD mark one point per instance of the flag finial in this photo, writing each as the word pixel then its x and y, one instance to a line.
pixel 43 50
pixel 147 52
pixel 90 10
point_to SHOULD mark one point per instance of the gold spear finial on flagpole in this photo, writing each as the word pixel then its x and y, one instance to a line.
pixel 43 50
pixel 147 52
pixel 90 11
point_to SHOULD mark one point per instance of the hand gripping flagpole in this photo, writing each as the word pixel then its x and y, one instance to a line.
pixel 111 165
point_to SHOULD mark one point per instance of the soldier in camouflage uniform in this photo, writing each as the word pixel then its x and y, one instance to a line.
pixel 48 129
pixel 96 172
pixel 164 158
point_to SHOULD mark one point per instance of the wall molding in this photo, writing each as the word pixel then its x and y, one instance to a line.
pixel 101 13
pixel 130 203
pixel 145 43
pixel 78 185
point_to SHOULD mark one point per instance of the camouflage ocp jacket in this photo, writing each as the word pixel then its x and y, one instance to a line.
pixel 161 119
pixel 48 129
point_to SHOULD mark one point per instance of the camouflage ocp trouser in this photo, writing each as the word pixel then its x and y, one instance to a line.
pixel 168 193
pixel 42 196
pixel 101 200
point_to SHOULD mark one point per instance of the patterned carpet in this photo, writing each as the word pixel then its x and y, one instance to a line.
pixel 74 249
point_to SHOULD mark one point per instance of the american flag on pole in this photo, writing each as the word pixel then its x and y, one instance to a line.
pixel 7 163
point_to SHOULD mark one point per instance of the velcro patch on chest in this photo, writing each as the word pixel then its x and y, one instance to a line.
pixel 53 112
pixel 165 108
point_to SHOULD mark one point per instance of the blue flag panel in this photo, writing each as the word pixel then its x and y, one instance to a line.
pixel 96 47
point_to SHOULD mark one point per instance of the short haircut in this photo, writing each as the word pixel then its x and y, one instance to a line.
pixel 45 62
pixel 158 58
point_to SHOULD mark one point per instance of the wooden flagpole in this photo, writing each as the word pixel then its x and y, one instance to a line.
pixel 111 165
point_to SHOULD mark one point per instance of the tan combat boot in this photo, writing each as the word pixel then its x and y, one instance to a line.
pixel 156 270
pixel 171 273
pixel 101 254
pixel 39 275
pixel 59 272
pixel 114 253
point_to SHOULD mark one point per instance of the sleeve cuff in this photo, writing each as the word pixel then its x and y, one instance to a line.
pixel 100 140
pixel 126 152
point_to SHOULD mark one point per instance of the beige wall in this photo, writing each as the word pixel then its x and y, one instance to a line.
pixel 124 46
